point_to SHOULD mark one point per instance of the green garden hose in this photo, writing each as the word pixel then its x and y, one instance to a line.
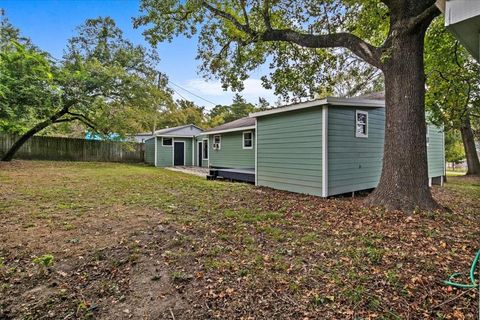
pixel 473 283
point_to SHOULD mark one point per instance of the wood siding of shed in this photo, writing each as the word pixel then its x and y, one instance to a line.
pixel 436 152
pixel 150 151
pixel 231 153
pixel 354 163
pixel 289 151
pixel 164 154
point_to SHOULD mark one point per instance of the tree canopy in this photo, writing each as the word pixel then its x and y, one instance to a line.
pixel 104 82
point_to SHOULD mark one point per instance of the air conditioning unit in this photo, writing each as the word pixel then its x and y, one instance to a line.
pixel 216 146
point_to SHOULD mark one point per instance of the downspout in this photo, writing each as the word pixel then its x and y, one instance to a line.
pixel 256 155
pixel 325 151
pixel 155 148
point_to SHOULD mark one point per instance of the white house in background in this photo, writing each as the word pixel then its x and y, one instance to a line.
pixel 462 19
pixel 141 137
pixel 186 130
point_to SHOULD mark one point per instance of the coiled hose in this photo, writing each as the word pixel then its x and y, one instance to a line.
pixel 473 283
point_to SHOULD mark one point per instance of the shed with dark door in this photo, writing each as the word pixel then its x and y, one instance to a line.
pixel 172 146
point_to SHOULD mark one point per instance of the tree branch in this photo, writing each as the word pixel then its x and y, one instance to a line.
pixel 359 47
pixel 266 14
pixel 425 17
pixel 91 126
pixel 228 17
pixel 245 15
pixel 79 115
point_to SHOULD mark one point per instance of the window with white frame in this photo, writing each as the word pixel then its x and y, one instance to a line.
pixel 217 142
pixel 361 124
pixel 247 140
pixel 167 142
pixel 205 149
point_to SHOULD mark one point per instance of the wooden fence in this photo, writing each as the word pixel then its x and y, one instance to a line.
pixel 69 149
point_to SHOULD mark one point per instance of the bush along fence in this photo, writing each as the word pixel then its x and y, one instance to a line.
pixel 56 148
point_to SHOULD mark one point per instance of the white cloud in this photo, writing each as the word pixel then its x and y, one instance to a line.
pixel 213 91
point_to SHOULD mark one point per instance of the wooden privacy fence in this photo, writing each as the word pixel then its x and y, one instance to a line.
pixel 55 148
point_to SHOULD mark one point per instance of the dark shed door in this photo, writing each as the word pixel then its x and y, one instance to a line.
pixel 199 154
pixel 179 154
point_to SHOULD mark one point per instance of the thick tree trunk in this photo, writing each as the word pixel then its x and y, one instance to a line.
pixel 470 150
pixel 30 133
pixel 404 180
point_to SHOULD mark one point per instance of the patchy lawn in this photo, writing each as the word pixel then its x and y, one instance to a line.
pixel 130 241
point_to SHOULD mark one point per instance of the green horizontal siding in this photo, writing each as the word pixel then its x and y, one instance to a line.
pixel 231 153
pixel 289 151
pixel 354 163
pixel 164 154
pixel 435 152
pixel 150 151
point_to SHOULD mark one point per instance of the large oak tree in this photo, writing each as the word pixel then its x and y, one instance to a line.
pixel 238 36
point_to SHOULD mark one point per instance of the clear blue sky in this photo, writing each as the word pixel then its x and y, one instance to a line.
pixel 50 23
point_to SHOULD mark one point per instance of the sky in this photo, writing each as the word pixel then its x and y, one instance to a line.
pixel 50 23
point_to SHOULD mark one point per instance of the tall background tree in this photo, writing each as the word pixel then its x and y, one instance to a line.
pixel 453 94
pixel 454 151
pixel 103 82
pixel 236 37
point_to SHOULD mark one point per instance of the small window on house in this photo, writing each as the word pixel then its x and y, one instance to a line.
pixel 217 142
pixel 167 141
pixel 205 150
pixel 361 124
pixel 247 140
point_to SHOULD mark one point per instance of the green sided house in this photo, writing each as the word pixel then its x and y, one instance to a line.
pixel 329 147
pixel 228 150
pixel 322 147
pixel 172 146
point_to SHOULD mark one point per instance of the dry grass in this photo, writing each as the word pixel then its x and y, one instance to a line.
pixel 130 241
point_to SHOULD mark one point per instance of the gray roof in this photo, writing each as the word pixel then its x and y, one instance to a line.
pixel 185 130
pixel 380 95
pixel 236 124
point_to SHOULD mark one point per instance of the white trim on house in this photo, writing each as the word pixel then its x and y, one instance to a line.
pixel 174 136
pixel 428 135
pixel 443 150
pixel 198 154
pixel 227 130
pixel 155 148
pixel 243 140
pixel 173 151
pixel 208 150
pixel 193 151
pixel 166 145
pixel 256 150
pixel 334 101
pixel 325 151
pixel 359 134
